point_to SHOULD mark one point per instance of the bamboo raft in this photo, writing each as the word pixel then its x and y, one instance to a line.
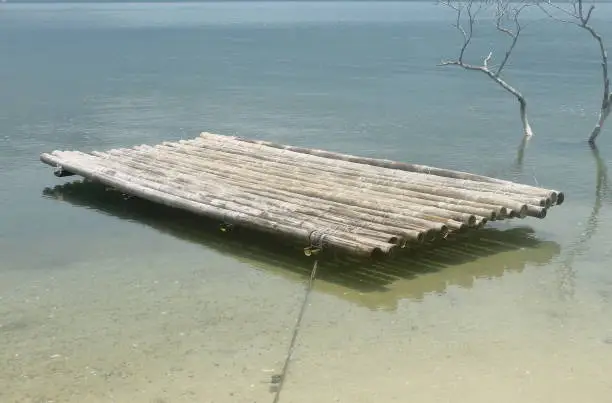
pixel 361 206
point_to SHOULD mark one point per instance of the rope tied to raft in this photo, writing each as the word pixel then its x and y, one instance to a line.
pixel 317 238
pixel 279 379
pixel 227 224
pixel 317 242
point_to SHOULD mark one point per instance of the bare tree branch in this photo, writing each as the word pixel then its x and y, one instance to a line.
pixel 505 11
pixel 556 18
pixel 544 5
pixel 578 17
pixel 486 60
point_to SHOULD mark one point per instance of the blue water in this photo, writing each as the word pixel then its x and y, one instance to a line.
pixel 80 279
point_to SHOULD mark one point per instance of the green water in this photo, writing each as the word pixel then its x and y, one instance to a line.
pixel 104 299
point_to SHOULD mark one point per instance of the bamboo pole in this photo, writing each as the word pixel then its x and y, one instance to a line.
pixel 298 230
pixel 369 193
pixel 255 188
pixel 557 196
pixel 290 160
pixel 466 194
pixel 523 209
pixel 407 227
pixel 384 230
pixel 228 144
pixel 157 156
pixel 274 178
pixel 378 190
pixel 325 177
pixel 276 212
pixel 354 162
pixel 342 195
pixel 323 182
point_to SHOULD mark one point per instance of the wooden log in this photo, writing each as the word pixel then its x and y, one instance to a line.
pixel 225 144
pixel 556 196
pixel 298 230
pixel 322 191
pixel 406 227
pixel 323 177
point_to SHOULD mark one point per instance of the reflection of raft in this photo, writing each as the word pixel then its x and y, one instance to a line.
pixel 373 284
pixel 358 205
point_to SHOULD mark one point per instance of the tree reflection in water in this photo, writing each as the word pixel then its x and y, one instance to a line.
pixel 577 248
pixel 582 242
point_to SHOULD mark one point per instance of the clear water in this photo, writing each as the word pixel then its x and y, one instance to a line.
pixel 110 300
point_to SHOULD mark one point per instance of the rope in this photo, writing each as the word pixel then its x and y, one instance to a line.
pixel 280 379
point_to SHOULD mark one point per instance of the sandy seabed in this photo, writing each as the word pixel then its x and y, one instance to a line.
pixel 185 324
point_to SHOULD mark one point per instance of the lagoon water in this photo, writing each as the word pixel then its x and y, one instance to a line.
pixel 104 299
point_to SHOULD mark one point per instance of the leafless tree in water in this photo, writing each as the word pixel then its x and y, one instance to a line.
pixel 507 23
pixel 577 13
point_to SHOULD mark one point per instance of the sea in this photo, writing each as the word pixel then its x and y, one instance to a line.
pixel 106 298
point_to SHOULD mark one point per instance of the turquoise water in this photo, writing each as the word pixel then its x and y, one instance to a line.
pixel 104 299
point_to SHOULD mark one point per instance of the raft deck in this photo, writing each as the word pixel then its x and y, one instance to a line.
pixel 362 206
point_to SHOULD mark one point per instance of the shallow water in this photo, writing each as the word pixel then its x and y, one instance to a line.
pixel 104 299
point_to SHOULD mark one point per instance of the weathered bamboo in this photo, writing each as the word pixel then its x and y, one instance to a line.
pixel 342 194
pixel 361 224
pixel 322 181
pixel 330 166
pixel 531 210
pixel 291 160
pixel 407 227
pixel 227 144
pixel 364 173
pixel 281 178
pixel 362 206
pixel 558 197
pixel 503 187
pixel 272 210
pixel 324 177
pixel 368 173
pixel 172 197
pixel 255 188
pixel 522 209
pixel 466 194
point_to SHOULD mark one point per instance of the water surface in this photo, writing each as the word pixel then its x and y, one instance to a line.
pixel 105 299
